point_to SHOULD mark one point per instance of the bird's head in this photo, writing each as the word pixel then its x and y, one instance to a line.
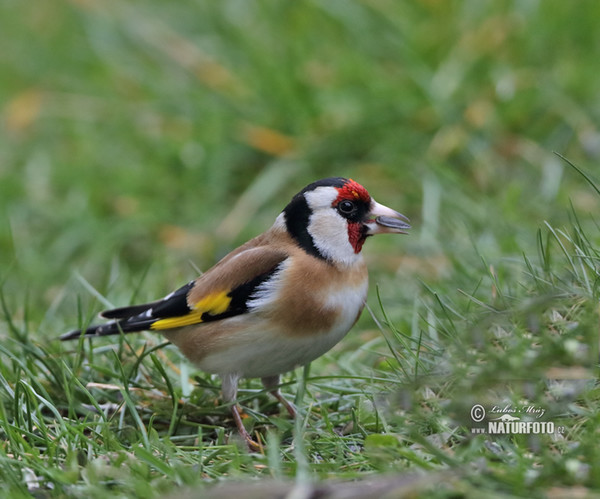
pixel 332 218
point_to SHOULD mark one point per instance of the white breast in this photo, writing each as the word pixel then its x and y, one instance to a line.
pixel 259 351
pixel 350 301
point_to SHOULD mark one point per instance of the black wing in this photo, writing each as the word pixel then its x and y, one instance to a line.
pixel 174 310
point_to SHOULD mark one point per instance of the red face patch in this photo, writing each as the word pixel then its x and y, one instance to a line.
pixel 356 236
pixel 352 190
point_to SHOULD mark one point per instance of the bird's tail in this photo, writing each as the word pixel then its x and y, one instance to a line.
pixel 136 318
pixel 130 325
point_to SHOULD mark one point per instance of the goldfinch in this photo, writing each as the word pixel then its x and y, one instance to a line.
pixel 278 301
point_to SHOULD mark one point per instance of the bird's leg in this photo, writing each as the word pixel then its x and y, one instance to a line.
pixel 271 383
pixel 253 445
pixel 229 388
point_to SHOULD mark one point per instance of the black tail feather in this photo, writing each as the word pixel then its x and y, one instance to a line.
pixel 137 317
pixel 171 305
pixel 132 325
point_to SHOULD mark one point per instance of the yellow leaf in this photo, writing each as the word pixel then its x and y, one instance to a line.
pixel 267 140
pixel 22 110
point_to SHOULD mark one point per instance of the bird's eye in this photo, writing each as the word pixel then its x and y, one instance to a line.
pixel 346 207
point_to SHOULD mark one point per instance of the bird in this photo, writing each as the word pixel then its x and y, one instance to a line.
pixel 275 303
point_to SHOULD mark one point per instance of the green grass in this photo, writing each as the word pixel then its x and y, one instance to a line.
pixel 141 142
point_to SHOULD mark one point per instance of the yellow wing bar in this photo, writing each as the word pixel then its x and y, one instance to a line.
pixel 214 304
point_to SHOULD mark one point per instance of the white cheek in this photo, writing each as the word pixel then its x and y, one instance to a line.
pixel 329 231
pixel 328 225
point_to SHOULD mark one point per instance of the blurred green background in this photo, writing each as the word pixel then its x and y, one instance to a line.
pixel 141 141
pixel 158 132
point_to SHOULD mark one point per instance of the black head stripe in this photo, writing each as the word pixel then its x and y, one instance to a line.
pixel 297 214
pixel 337 182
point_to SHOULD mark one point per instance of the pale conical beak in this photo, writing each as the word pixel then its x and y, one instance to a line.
pixel 386 220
